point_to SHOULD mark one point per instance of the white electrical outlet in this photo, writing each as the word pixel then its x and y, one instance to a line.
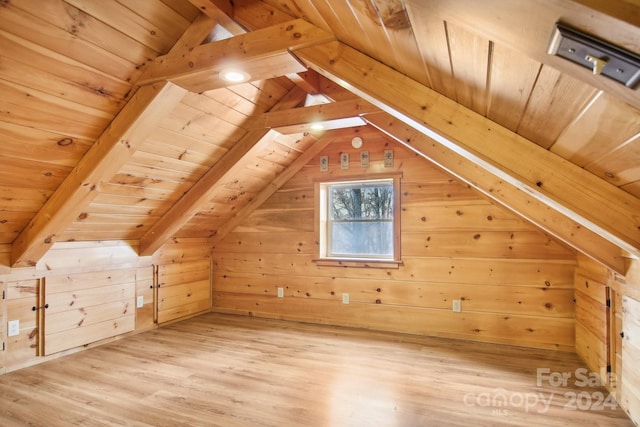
pixel 13 328
pixel 139 301
pixel 457 305
pixel 345 298
pixel 280 292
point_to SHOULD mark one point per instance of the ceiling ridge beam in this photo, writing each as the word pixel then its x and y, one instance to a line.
pixel 274 185
pixel 201 192
pixel 552 183
pixel 119 141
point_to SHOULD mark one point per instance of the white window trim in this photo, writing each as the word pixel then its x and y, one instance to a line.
pixel 321 221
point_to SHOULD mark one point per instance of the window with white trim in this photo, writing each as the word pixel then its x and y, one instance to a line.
pixel 358 221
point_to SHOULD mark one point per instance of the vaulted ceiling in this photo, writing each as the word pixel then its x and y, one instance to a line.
pixel 116 125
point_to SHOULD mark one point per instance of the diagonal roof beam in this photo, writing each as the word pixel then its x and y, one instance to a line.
pixel 562 190
pixel 283 119
pixel 202 191
pixel 263 54
pixel 130 128
pixel 274 185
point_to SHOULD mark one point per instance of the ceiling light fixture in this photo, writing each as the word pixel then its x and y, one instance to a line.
pixel 234 76
pixel 317 126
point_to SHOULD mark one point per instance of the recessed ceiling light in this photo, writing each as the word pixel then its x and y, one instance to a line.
pixel 234 76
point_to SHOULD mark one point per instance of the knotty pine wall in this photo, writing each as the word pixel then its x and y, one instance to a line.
pixel 625 338
pixel 91 289
pixel 515 282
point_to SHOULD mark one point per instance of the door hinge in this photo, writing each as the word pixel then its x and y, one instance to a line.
pixel 608 303
pixel 2 345
pixel 3 295
pixel 609 369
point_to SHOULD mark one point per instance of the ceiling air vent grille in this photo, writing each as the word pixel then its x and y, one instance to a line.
pixel 601 57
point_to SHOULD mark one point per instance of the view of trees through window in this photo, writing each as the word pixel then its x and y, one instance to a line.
pixel 361 219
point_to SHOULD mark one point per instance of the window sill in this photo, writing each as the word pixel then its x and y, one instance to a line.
pixel 357 263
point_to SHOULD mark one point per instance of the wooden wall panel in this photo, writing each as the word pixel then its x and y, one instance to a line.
pixel 630 387
pixel 92 292
pixel 184 289
pixel 593 320
pixel 610 335
pixel 515 283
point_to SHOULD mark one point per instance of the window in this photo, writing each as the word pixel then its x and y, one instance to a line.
pixel 358 221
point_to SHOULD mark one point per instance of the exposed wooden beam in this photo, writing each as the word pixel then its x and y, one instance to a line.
pixel 561 187
pixel 193 36
pixel 334 115
pixel 262 54
pixel 220 11
pixel 214 7
pixel 201 192
pixel 130 128
pixel 501 191
pixel 274 185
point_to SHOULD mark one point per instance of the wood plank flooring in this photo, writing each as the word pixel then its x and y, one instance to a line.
pixel 222 370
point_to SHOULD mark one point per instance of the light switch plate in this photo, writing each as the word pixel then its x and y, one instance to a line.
pixel 139 301
pixel 280 292
pixel 13 328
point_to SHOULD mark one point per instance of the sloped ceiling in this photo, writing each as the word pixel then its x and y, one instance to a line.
pixel 116 125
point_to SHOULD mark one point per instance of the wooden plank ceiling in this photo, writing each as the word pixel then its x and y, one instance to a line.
pixel 97 145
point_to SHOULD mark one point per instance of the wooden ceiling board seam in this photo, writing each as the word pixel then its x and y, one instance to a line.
pixel 156 173
pixel 126 184
pixel 123 19
pixel 37 31
pixel 304 9
pixel 23 105
pixel 555 100
pixel 210 105
pixel 86 27
pixel 513 77
pixel 623 160
pixel 63 67
pixel 469 54
pixel 167 141
pixel 155 161
pixel 33 144
pixel 604 126
pixel 157 13
pixel 26 76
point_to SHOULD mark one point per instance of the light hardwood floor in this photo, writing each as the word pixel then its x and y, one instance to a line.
pixel 222 370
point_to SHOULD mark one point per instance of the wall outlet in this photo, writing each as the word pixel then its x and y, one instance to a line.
pixel 280 292
pixel 139 301
pixel 345 298
pixel 457 305
pixel 13 328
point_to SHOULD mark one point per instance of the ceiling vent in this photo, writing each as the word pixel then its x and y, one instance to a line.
pixel 601 57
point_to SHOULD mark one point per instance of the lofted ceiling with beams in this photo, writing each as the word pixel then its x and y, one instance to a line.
pixel 116 124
